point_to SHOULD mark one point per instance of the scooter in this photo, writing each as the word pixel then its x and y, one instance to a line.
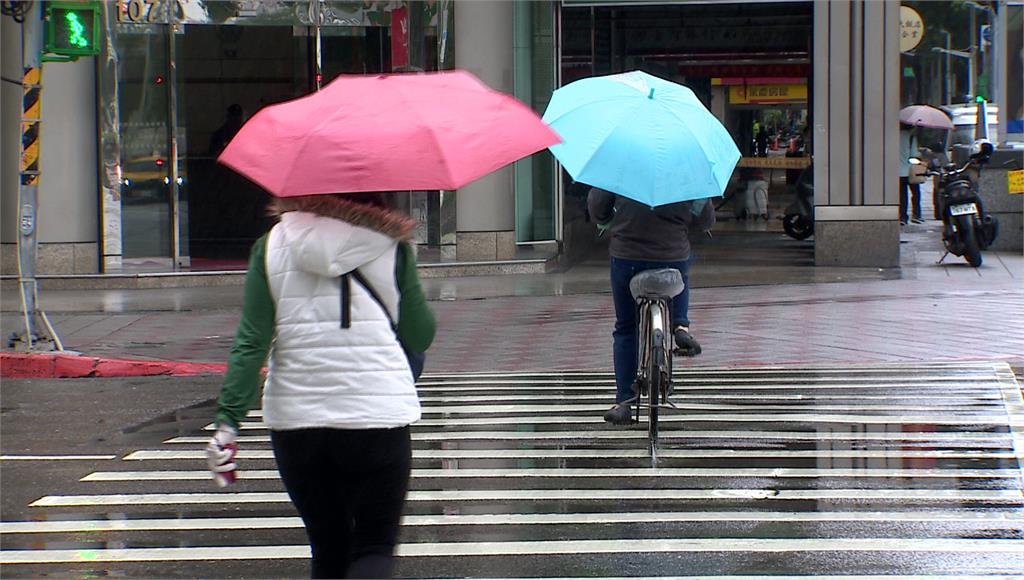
pixel 966 228
pixel 799 219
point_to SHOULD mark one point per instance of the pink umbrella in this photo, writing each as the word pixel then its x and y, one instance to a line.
pixel 925 116
pixel 386 133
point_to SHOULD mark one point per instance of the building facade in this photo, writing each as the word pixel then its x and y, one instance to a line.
pixel 129 138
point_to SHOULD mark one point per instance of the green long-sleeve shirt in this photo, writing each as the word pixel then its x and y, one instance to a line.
pixel 241 387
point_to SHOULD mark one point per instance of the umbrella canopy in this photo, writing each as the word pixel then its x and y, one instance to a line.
pixel 386 133
pixel 925 116
pixel 642 137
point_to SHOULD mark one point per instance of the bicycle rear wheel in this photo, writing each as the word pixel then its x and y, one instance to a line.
pixel 655 377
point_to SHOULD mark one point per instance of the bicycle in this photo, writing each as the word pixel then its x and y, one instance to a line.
pixel 652 290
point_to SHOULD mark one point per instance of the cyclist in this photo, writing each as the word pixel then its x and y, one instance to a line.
pixel 643 238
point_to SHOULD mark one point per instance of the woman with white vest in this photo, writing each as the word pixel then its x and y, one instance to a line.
pixel 332 297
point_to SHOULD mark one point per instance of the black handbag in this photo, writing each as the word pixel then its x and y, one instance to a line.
pixel 416 359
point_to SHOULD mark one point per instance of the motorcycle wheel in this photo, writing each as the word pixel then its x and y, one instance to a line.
pixel 797 226
pixel 969 238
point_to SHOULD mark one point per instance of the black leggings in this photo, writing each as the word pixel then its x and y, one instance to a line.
pixel 349 487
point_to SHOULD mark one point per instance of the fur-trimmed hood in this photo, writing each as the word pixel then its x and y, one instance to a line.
pixel 329 236
pixel 390 223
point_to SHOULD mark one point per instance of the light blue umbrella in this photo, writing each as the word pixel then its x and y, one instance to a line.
pixel 642 137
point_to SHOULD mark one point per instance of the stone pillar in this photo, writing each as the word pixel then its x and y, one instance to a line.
pixel 856 133
pixel 10 135
pixel 485 209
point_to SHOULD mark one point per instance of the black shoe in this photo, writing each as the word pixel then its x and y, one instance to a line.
pixel 686 345
pixel 619 415
pixel 917 220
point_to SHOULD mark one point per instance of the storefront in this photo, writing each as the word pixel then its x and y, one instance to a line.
pixel 188 73
pixel 177 77
pixel 750 63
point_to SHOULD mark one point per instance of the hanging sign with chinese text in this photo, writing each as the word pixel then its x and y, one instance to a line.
pixel 767 94
pixel 911 29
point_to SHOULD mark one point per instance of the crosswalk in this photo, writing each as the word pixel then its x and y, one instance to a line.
pixel 860 471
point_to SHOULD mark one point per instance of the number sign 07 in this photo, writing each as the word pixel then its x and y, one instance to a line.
pixel 147 11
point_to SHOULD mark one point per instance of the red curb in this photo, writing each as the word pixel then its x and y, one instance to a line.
pixel 62 366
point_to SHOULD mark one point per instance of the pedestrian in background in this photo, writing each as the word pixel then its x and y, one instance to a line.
pixel 322 291
pixel 908 149
pixel 233 121
pixel 643 238
pixel 761 141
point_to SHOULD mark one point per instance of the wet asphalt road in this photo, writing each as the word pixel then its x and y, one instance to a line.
pixel 870 470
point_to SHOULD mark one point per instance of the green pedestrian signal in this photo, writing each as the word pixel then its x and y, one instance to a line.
pixel 72 28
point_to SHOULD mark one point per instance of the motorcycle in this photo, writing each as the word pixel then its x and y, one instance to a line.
pixel 799 219
pixel 966 228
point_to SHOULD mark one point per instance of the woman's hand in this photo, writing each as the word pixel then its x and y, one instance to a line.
pixel 220 455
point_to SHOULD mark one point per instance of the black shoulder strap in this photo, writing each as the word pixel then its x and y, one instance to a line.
pixel 346 301
pixel 346 298
pixel 358 276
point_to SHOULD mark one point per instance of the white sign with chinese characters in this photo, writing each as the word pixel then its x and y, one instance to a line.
pixel 911 29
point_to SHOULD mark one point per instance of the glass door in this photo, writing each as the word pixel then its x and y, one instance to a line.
pixel 227 73
pixel 142 94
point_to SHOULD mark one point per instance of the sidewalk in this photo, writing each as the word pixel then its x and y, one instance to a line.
pixel 757 300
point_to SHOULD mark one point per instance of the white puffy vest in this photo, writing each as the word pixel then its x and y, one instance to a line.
pixel 320 374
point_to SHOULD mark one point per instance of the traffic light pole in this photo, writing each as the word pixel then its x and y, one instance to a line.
pixel 28 187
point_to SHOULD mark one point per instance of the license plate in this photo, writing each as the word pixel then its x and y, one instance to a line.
pixel 963 209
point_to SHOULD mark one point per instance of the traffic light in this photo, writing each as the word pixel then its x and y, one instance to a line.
pixel 72 28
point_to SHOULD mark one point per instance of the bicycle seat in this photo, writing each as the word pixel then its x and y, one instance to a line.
pixel 661 283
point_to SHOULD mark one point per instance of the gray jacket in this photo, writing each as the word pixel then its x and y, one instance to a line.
pixel 638 232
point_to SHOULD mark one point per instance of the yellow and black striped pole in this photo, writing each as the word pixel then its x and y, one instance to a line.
pixel 28 189
pixel 31 106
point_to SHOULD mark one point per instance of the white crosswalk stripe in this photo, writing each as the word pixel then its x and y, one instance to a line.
pixel 517 474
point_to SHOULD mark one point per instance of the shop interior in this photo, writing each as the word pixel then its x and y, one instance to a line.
pixel 750 63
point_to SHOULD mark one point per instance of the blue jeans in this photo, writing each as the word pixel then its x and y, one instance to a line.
pixel 912 191
pixel 624 337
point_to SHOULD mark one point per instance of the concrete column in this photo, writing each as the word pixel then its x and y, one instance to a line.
pixel 68 200
pixel 856 133
pixel 10 134
pixel 485 209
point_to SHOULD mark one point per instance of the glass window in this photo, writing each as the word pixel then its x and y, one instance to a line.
pixel 534 70
pixel 230 60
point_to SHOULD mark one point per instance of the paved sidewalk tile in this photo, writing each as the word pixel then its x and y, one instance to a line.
pixel 751 305
pixel 833 323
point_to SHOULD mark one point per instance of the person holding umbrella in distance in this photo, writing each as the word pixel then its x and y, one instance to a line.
pixel 654 155
pixel 910 189
pixel 333 299
pixel 911 118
